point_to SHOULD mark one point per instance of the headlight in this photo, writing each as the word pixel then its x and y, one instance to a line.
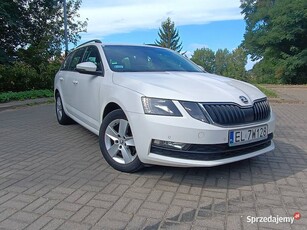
pixel 194 110
pixel 156 106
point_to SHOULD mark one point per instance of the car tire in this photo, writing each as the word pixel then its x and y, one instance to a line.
pixel 61 116
pixel 117 143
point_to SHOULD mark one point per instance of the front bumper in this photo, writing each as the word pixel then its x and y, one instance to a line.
pixel 200 135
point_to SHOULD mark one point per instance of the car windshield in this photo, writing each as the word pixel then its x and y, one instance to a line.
pixel 146 59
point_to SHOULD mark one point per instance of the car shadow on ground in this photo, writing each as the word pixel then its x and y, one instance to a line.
pixel 285 161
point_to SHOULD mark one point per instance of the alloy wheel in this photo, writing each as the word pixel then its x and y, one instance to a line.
pixel 119 141
pixel 59 108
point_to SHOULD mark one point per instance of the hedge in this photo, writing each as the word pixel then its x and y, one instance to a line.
pixel 22 77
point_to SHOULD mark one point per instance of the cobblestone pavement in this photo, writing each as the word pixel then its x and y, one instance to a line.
pixel 54 177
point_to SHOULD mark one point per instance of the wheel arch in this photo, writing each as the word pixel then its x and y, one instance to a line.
pixel 111 106
pixel 56 91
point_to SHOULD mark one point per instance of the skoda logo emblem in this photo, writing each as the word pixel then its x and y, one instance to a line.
pixel 243 99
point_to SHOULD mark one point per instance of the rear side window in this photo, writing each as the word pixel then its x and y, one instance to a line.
pixel 76 59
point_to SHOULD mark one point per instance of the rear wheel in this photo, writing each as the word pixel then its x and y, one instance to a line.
pixel 117 143
pixel 62 117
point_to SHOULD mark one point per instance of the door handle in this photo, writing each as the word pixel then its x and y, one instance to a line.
pixel 61 79
pixel 75 82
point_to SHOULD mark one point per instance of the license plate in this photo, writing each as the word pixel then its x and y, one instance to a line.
pixel 245 136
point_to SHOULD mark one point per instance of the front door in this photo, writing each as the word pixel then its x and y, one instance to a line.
pixel 87 101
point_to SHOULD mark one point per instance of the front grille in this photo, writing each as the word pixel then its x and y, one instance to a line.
pixel 233 114
pixel 212 152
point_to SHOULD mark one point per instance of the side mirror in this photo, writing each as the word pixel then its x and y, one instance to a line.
pixel 86 67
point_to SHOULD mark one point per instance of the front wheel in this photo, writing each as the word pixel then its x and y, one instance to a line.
pixel 117 143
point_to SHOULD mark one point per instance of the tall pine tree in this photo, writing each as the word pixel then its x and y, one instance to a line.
pixel 169 36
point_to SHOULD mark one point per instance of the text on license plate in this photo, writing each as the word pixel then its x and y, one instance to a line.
pixel 249 135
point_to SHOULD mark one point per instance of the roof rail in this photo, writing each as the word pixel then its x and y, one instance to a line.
pixel 152 44
pixel 91 41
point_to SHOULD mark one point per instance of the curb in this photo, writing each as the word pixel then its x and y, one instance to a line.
pixel 29 102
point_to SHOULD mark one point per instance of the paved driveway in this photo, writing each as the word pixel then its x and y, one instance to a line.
pixel 54 177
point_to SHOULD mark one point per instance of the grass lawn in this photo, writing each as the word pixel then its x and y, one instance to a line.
pixel 268 92
pixel 20 96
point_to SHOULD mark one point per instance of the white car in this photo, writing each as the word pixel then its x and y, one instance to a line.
pixel 152 106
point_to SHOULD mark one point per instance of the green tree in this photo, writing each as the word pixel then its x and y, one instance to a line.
pixel 169 36
pixel 39 33
pixel 221 61
pixel 31 41
pixel 276 33
pixel 264 72
pixel 235 67
pixel 204 57
pixel 12 22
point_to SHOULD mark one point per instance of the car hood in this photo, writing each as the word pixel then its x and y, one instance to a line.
pixel 188 86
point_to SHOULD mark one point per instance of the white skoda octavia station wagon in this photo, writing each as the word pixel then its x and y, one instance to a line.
pixel 152 106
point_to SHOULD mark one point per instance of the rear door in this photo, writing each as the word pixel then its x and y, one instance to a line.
pixel 71 81
pixel 63 80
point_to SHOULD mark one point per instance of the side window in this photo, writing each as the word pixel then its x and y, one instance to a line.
pixel 66 62
pixel 76 59
pixel 92 55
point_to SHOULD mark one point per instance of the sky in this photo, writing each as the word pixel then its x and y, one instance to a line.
pixel 214 24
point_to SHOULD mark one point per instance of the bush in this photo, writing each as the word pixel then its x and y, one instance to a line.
pixel 16 77
pixel 22 77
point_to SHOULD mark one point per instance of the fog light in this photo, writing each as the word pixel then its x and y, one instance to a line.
pixel 171 144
